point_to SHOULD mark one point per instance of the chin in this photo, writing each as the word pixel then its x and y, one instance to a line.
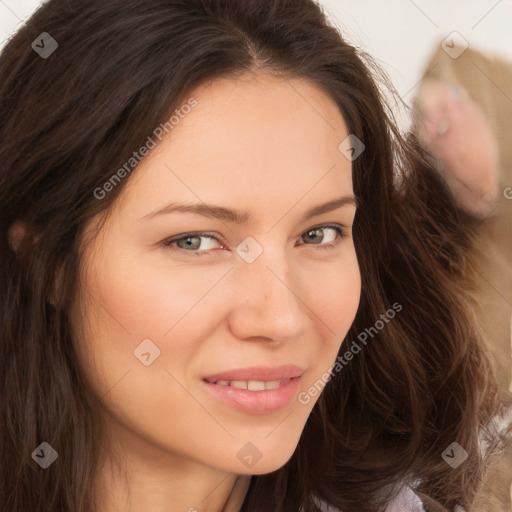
pixel 265 460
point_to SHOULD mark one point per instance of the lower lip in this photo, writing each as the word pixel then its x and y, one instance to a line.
pixel 256 402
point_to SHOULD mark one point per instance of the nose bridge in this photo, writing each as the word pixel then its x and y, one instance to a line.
pixel 270 305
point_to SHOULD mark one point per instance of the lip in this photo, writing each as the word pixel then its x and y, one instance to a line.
pixel 265 401
pixel 262 373
pixel 260 402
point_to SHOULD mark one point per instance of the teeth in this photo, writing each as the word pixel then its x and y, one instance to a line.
pixel 252 385
pixel 256 385
pixel 273 384
pixel 240 384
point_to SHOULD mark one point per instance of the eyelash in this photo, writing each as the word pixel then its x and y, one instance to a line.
pixel 167 243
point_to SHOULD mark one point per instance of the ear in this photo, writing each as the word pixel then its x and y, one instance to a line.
pixel 16 234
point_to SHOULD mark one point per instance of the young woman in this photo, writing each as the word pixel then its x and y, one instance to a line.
pixel 228 283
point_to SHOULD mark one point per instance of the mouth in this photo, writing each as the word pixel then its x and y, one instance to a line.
pixel 258 374
pixel 251 385
pixel 256 390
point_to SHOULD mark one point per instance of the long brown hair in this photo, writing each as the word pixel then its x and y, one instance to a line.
pixel 68 120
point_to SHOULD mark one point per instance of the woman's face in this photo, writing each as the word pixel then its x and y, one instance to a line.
pixel 252 292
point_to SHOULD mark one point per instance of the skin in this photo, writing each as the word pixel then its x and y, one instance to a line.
pixel 259 143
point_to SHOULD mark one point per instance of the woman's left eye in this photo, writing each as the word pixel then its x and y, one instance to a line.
pixel 190 242
pixel 313 233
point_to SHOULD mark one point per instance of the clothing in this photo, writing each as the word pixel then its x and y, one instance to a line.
pixel 406 501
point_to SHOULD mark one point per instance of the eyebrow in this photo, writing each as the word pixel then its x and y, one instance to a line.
pixel 243 216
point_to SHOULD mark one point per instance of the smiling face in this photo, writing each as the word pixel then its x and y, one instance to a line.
pixel 173 299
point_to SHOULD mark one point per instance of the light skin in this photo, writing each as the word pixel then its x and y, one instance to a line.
pixel 261 144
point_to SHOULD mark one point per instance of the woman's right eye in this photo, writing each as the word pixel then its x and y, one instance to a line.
pixel 190 243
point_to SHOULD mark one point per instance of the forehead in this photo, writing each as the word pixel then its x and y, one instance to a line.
pixel 255 140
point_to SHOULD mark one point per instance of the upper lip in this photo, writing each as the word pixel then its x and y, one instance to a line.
pixel 259 373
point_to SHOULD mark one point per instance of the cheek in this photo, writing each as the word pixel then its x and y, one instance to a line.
pixel 154 299
pixel 336 300
pixel 123 307
pixel 333 293
pixel 129 308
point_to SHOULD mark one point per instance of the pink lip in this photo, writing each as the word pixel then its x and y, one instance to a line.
pixel 263 373
pixel 256 402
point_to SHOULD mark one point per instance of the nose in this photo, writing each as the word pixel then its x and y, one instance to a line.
pixel 268 301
